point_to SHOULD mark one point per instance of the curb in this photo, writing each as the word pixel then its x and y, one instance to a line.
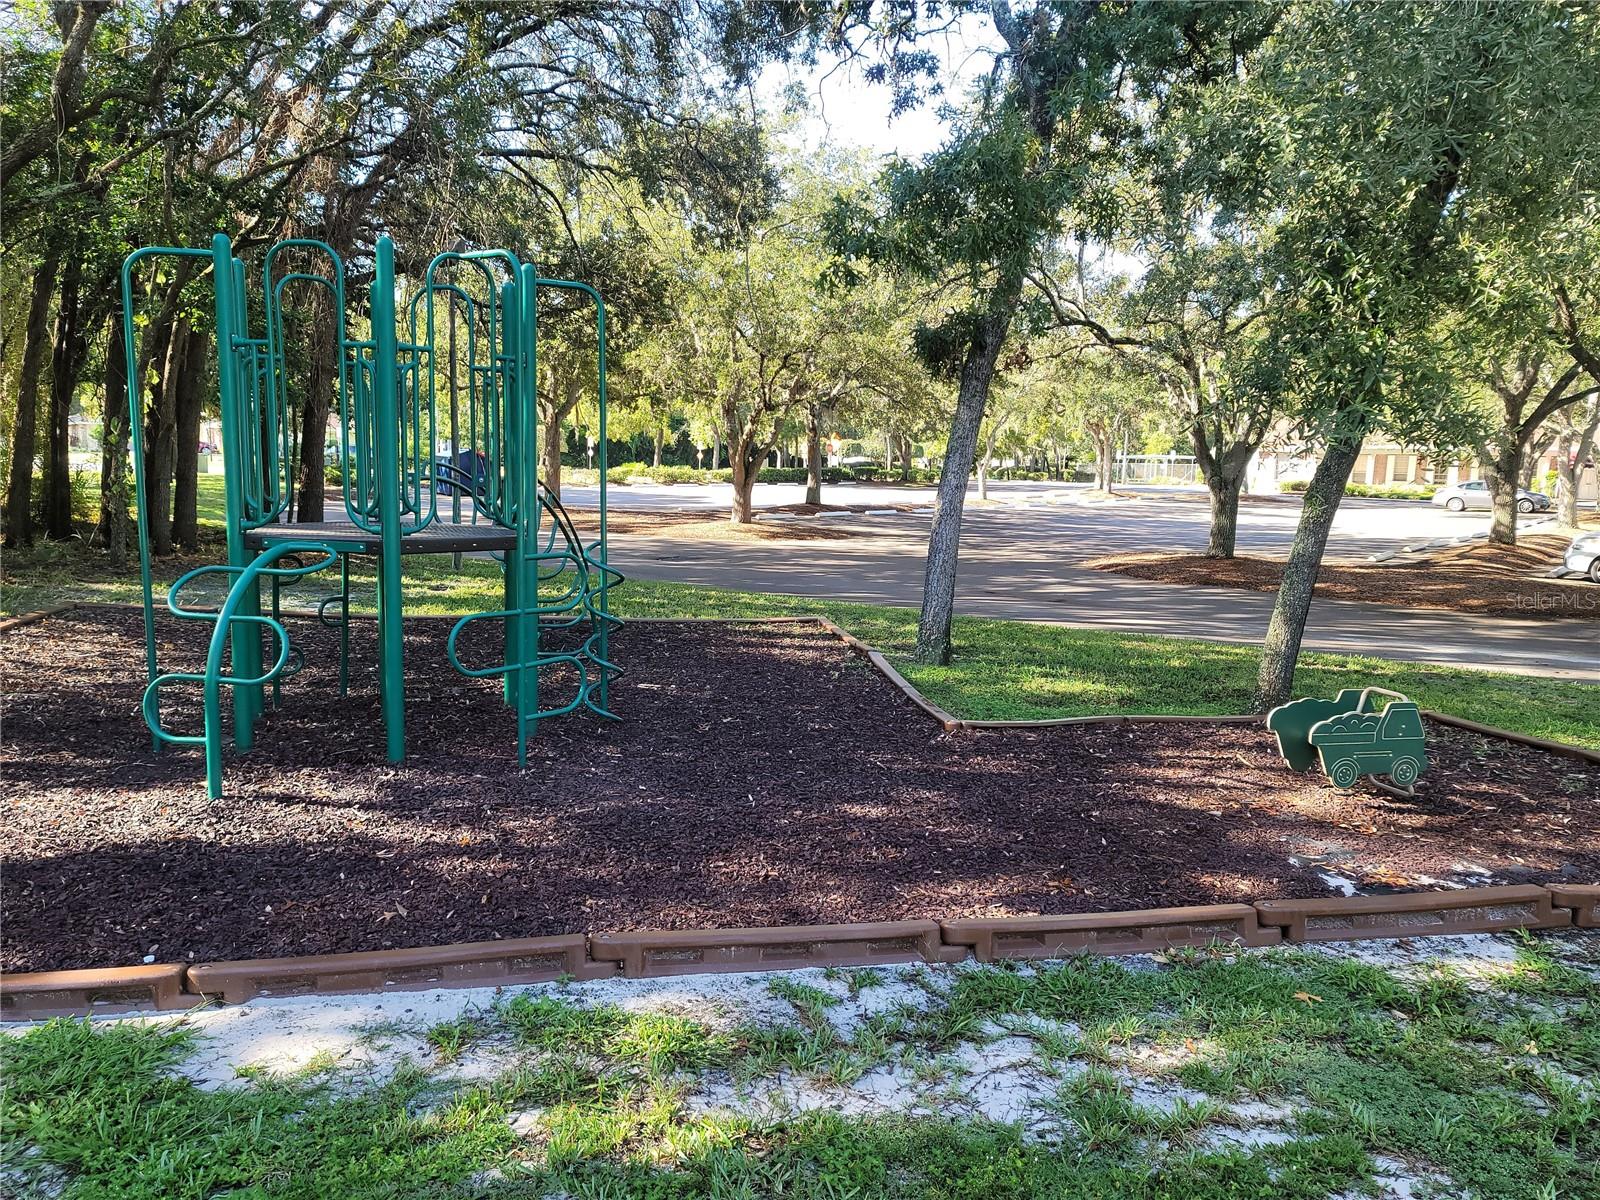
pixel 656 954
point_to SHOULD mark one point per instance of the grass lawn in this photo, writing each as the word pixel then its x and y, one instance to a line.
pixel 1283 1075
pixel 1003 669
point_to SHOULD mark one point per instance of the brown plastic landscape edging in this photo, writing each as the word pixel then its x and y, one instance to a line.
pixel 1582 898
pixel 1579 752
pixel 42 994
pixel 1116 719
pixel 785 947
pixel 949 723
pixel 33 618
pixel 1416 914
pixel 655 953
pixel 1142 931
pixel 465 964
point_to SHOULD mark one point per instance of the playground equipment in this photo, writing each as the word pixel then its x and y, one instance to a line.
pixel 1350 738
pixel 386 406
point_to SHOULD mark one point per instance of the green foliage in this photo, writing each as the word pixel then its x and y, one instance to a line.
pixel 643 473
pixel 1375 491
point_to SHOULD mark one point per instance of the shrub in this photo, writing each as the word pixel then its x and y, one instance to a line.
pixel 1383 491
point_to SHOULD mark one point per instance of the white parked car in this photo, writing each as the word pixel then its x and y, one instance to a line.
pixel 1475 494
pixel 1583 556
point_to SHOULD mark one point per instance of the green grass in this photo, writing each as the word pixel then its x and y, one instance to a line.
pixel 1481 1086
pixel 1006 670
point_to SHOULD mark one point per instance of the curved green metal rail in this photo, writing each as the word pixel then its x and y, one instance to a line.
pixel 386 403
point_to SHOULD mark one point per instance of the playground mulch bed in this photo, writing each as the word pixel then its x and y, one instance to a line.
pixel 1502 581
pixel 761 776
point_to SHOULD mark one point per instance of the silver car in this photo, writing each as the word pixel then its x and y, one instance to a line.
pixel 1475 494
pixel 1583 556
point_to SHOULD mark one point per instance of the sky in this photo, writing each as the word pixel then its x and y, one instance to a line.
pixel 844 110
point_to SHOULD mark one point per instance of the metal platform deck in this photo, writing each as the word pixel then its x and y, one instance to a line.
pixel 438 538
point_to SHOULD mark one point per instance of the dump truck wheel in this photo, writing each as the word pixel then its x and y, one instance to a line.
pixel 1343 773
pixel 1405 772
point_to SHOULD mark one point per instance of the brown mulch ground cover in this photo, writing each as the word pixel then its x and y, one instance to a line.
pixel 1499 580
pixel 702 526
pixel 761 776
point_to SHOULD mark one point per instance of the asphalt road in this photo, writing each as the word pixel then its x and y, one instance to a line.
pixel 1020 563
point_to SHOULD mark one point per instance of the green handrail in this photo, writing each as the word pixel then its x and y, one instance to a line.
pixel 386 399
pixel 213 679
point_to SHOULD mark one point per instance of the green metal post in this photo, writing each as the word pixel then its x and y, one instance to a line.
pixel 344 624
pixel 136 447
pixel 245 638
pixel 605 588
pixel 391 633
pixel 511 329
pixel 527 459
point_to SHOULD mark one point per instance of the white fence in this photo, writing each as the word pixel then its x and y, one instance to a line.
pixel 1175 470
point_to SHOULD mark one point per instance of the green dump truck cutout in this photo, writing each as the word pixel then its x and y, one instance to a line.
pixel 1350 739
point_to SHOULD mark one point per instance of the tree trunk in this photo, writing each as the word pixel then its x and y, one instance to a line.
pixel 944 539
pixel 813 454
pixel 186 475
pixel 24 437
pixel 746 461
pixel 321 381
pixel 161 440
pixel 1224 515
pixel 1572 467
pixel 65 364
pixel 905 459
pixel 550 451
pixel 716 447
pixel 1500 474
pixel 1225 468
pixel 113 529
pixel 1281 651
pixel 1104 448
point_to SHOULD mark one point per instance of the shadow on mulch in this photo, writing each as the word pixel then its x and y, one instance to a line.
pixel 760 776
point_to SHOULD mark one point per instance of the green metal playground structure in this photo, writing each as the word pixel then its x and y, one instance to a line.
pixel 556 609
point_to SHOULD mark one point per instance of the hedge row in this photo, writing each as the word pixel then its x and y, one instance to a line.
pixel 1384 491
pixel 643 473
